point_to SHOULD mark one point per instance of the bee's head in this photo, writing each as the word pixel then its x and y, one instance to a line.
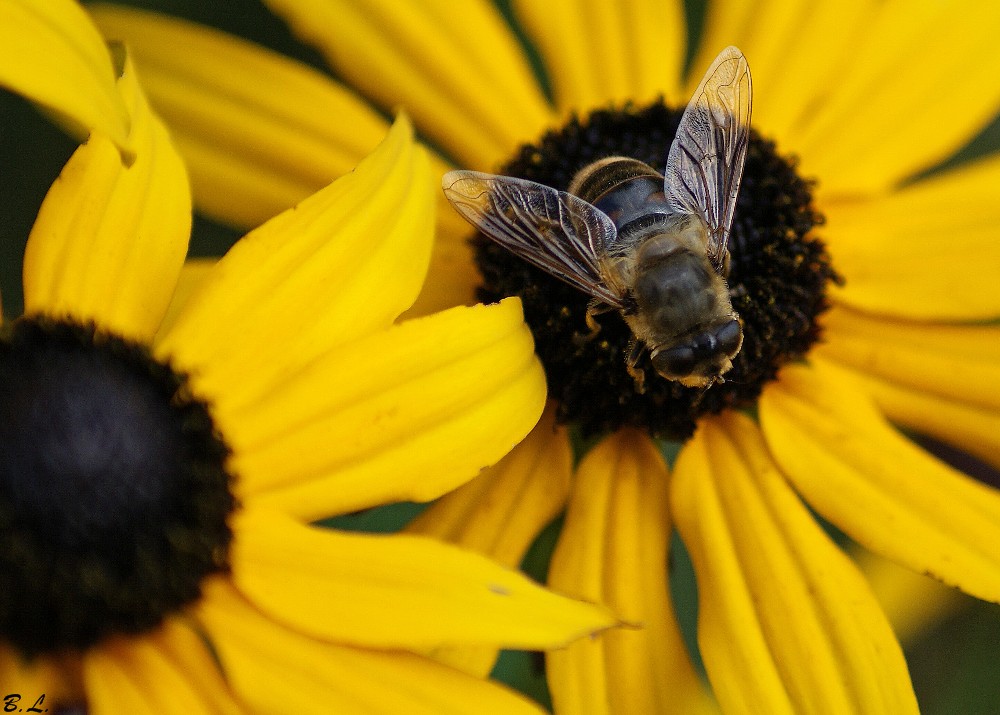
pixel 701 359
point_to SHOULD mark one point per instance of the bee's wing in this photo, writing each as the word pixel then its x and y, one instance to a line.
pixel 705 163
pixel 557 232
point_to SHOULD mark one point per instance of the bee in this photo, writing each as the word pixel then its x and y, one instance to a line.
pixel 652 246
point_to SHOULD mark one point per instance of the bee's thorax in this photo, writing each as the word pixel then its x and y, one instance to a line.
pixel 677 293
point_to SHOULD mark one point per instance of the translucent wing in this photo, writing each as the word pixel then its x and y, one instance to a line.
pixel 705 163
pixel 558 232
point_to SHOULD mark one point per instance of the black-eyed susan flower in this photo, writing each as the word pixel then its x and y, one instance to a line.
pixel 851 270
pixel 157 476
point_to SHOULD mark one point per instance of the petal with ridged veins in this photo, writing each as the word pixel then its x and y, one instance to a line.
pixel 396 591
pixel 882 490
pixel 613 550
pixel 51 53
pixel 455 66
pixel 786 622
pixel 110 240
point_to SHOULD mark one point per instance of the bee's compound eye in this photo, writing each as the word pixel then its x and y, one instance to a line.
pixel 730 337
pixel 679 360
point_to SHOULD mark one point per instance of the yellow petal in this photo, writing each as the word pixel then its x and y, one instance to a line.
pixel 613 550
pixel 259 131
pixel 277 670
pixel 192 276
pixel 109 241
pixel 887 494
pixel 57 678
pixel 455 66
pixel 405 415
pixel 786 624
pixel 52 54
pixel 913 602
pixel 960 362
pixel 452 277
pixel 500 512
pixel 928 251
pixel 915 83
pixel 865 93
pixel 795 50
pixel 975 430
pixel 167 672
pixel 599 52
pixel 396 591
pixel 343 263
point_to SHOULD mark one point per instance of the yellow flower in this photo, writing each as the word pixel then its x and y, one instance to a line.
pixel 157 476
pixel 868 97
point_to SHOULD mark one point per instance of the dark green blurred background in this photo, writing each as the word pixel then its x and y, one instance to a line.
pixel 955 664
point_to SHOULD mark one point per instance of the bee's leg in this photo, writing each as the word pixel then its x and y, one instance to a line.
pixel 594 307
pixel 636 350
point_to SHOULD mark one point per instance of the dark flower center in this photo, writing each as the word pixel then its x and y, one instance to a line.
pixel 778 278
pixel 113 491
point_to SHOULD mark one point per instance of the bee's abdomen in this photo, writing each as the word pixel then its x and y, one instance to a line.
pixel 629 191
pixel 597 179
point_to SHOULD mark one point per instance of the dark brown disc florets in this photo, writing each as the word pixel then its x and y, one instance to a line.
pixel 114 496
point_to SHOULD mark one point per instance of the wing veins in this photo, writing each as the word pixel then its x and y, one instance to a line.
pixel 705 163
pixel 538 224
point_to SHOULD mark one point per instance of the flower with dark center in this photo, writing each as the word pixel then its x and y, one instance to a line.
pixel 114 496
pixel 810 414
pixel 159 468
